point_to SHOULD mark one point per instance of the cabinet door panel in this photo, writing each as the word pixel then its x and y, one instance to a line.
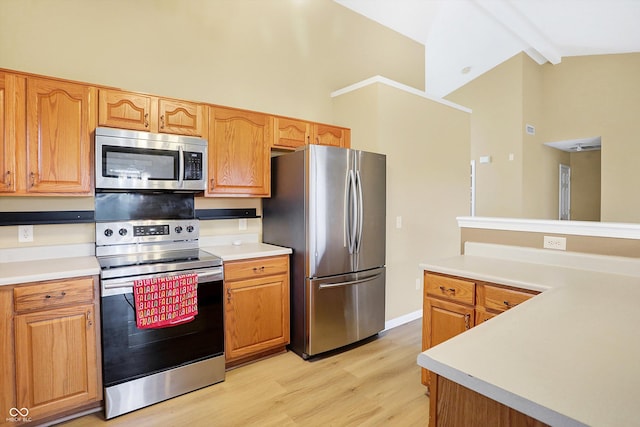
pixel 290 133
pixel 181 118
pixel 443 320
pixel 56 361
pixel 124 110
pixel 60 118
pixel 257 315
pixel 239 157
pixel 7 353
pixel 331 135
pixel 7 134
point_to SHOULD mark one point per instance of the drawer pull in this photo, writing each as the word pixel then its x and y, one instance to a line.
pixel 62 294
pixel 452 291
pixel 258 270
pixel 466 322
pixel 507 303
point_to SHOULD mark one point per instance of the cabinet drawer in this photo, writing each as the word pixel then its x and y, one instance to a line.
pixel 449 288
pixel 501 299
pixel 256 267
pixel 52 294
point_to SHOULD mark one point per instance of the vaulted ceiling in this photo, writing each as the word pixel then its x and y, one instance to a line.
pixel 465 38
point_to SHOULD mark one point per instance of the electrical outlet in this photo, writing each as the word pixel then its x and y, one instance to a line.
pixel 25 233
pixel 559 243
pixel 398 222
pixel 242 224
pixel 418 283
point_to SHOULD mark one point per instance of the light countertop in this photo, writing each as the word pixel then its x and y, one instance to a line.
pixel 569 356
pixel 245 250
pixel 38 264
pixel 16 272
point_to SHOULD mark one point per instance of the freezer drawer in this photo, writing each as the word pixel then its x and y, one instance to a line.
pixel 345 309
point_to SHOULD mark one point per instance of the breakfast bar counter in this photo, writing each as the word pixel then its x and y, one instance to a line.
pixel 567 357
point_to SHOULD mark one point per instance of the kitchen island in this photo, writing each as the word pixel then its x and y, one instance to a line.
pixel 567 357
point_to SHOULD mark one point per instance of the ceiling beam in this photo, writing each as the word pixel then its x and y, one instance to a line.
pixel 515 22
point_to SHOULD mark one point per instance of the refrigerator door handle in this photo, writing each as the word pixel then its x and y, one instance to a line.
pixel 352 282
pixel 349 283
pixel 351 213
pixel 360 210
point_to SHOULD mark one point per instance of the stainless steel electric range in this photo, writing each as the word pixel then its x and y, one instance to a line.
pixel 145 366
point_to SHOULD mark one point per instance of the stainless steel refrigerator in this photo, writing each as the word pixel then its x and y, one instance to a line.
pixel 328 205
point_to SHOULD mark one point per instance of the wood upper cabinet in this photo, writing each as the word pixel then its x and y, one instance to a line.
pixel 56 352
pixel 291 133
pixel 182 118
pixel 135 111
pixel 256 307
pixel 239 160
pixel 124 110
pixel 60 121
pixel 331 135
pixel 8 103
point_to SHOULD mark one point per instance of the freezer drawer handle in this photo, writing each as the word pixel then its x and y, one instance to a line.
pixel 352 282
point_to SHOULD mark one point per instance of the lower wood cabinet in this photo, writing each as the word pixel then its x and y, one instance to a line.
pixel 54 347
pixel 256 307
pixel 451 404
pixel 452 305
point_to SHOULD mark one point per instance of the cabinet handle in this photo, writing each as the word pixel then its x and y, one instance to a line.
pixel 47 296
pixel 228 294
pixel 32 179
pixel 258 270
pixel 444 290
pixel 466 321
pixel 507 303
pixel 89 318
pixel 162 121
pixel 146 120
pixel 8 179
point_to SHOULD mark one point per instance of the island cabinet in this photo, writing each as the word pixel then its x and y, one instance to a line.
pixel 453 305
pixel 46 126
pixel 239 160
pixel 452 405
pixel 256 307
pixel 136 111
pixel 53 348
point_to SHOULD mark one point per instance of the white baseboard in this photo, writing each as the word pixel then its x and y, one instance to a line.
pixel 390 324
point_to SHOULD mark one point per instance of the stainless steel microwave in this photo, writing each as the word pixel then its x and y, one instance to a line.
pixel 132 160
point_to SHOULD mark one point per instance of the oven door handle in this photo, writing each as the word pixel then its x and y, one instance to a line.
pixel 122 286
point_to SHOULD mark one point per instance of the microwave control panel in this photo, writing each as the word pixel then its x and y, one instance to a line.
pixel 192 166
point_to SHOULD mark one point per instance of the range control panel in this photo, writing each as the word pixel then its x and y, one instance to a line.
pixel 127 232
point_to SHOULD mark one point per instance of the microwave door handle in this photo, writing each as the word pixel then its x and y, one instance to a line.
pixel 181 162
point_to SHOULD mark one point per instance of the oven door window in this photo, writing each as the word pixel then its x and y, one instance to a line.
pixel 140 163
pixel 130 353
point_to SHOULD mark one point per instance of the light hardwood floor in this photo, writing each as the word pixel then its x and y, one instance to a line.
pixel 375 384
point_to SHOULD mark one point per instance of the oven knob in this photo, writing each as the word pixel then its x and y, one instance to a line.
pixel 190 228
pixel 108 232
pixel 179 229
pixel 122 232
